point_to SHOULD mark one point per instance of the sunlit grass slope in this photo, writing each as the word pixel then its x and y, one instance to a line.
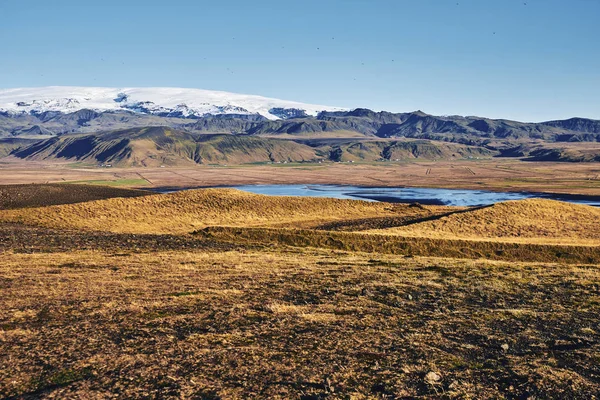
pixel 531 220
pixel 186 211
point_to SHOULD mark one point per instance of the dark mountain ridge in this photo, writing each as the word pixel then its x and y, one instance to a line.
pixel 115 136
pixel 576 124
pixel 359 122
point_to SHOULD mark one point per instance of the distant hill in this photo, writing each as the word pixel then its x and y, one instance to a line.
pixel 493 134
pixel 82 121
pixel 558 151
pixel 157 146
pixel 9 145
pixel 401 150
pixel 565 154
pixel 577 125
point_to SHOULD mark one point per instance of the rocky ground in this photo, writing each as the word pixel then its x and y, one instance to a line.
pixel 217 323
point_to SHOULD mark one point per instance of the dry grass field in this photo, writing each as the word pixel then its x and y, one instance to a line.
pixel 295 324
pixel 496 174
pixel 185 211
pixel 30 196
pixel 220 294
pixel 525 221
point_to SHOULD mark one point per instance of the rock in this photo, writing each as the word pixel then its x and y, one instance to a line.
pixel 505 347
pixel 433 378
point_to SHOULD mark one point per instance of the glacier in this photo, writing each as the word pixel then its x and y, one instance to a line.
pixel 163 101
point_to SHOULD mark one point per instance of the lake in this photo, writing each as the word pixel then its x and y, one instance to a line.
pixel 431 196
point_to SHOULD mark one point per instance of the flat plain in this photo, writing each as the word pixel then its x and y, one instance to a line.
pixel 496 174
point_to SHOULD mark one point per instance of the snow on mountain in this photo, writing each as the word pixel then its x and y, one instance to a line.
pixel 174 102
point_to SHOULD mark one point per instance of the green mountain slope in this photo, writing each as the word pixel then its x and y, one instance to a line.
pixel 158 146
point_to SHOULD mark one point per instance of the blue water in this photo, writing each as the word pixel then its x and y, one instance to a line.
pixel 451 197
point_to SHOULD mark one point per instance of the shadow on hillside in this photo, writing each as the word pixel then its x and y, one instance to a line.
pixel 363 224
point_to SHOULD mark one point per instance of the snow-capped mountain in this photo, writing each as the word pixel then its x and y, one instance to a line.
pixel 171 102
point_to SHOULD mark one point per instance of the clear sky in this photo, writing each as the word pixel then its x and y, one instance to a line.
pixel 528 60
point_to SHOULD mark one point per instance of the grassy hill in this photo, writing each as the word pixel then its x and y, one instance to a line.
pixel 531 220
pixel 186 211
pixel 522 221
pixel 228 149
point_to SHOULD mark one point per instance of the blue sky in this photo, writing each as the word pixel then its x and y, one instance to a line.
pixel 496 58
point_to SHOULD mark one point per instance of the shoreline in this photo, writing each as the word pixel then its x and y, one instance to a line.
pixel 390 198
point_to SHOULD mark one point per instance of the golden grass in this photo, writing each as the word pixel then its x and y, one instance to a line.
pixel 532 221
pixel 186 211
pixel 406 245
pixel 524 221
pixel 294 324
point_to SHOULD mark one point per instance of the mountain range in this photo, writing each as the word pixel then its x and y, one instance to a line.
pixel 198 126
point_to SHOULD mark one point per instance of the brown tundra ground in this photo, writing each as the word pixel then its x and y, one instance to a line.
pixel 249 306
